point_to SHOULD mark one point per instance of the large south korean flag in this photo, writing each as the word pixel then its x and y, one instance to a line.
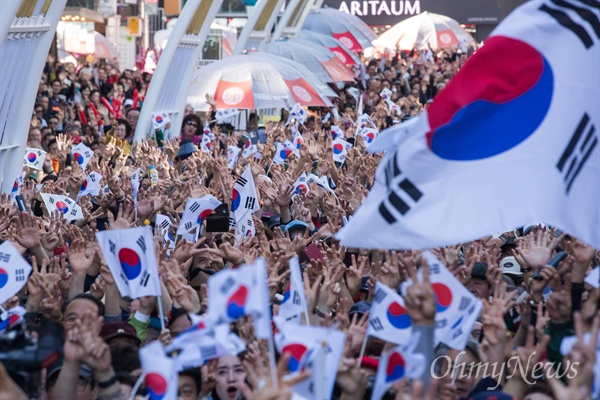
pixel 512 138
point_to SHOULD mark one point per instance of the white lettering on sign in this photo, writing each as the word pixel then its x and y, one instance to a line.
pixel 381 7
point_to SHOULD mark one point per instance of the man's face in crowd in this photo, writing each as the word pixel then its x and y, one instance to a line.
pixel 132 118
pixel 188 110
pixel 101 75
pixel 187 388
pixel 53 123
pixel 465 377
pixel 56 87
pixel 75 312
pixel 35 136
pixel 230 375
pixel 372 70
pixel 45 102
pixel 479 287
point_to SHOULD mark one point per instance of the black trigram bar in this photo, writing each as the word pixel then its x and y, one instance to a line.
pixel 194 207
pixel 397 202
pixel 583 12
pixel 250 201
pixel 242 181
pixel 578 151
pixel 142 243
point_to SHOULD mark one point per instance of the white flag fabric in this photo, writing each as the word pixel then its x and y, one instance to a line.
pixel 65 205
pixel 397 363
pixel 233 153
pixel 159 371
pixel 250 147
pixel 322 182
pixel 292 147
pixel 369 135
pixel 160 120
pixel 386 94
pixel 82 155
pixel 14 271
pixel 12 318
pixel 364 121
pixel 222 115
pixel 204 341
pixel 354 92
pixel 207 138
pixel 16 189
pixel 297 139
pixel 536 120
pixel 91 185
pixel 301 185
pixel 244 198
pixel 337 132
pixel 282 153
pixel 303 343
pixel 244 227
pixel 388 319
pixel 34 158
pixel 196 211
pixel 297 113
pixel 294 299
pixel 340 150
pixel 164 223
pixel 393 106
pixel 130 256
pixel 593 278
pixel 457 308
pixel 234 293
pixel 135 187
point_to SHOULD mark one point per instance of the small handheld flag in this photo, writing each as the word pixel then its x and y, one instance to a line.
pixel 14 271
pixel 34 158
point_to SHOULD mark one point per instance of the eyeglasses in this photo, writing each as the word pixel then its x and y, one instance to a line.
pixel 190 123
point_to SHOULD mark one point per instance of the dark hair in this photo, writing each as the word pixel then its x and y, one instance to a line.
pixel 176 313
pixel 130 110
pixel 196 119
pixel 85 296
pixel 196 375
pixel 123 121
pixel 125 357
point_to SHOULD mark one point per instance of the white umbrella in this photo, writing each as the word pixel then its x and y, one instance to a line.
pixel 256 81
pixel 348 29
pixel 343 53
pixel 426 29
pixel 316 58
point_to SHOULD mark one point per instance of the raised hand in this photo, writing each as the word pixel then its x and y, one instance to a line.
pixel 536 249
pixel 420 298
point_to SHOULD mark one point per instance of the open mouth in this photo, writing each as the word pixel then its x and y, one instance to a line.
pixel 231 391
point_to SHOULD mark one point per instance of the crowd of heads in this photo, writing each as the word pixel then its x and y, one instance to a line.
pixel 71 285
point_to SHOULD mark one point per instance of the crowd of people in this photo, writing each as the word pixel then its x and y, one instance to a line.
pixel 529 306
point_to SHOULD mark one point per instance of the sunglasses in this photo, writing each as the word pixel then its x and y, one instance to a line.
pixel 190 123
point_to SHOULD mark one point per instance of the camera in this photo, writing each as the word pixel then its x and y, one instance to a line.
pixel 23 355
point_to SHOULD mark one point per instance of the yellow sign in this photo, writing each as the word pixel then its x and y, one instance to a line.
pixel 134 26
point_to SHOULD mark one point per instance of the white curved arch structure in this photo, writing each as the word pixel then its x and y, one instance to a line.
pixel 168 90
pixel 27 28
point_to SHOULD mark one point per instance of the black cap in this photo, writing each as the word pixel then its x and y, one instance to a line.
pixel 509 243
pixel 360 308
pixel 274 221
pixel 479 270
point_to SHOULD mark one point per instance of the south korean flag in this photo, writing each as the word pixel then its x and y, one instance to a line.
pixel 340 150
pixel 91 185
pixel 66 206
pixel 244 198
pixel 233 153
pixel 14 271
pixel 82 155
pixel 34 158
pixel 196 211
pixel 130 256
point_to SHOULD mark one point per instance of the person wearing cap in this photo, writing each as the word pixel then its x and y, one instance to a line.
pixel 512 269
pixel 479 284
pixel 295 228
pixel 120 332
pixel 85 384
pixel 186 149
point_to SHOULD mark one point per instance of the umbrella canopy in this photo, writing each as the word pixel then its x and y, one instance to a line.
pixel 423 30
pixel 255 81
pixel 347 28
pixel 316 58
pixel 343 53
pixel 103 48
